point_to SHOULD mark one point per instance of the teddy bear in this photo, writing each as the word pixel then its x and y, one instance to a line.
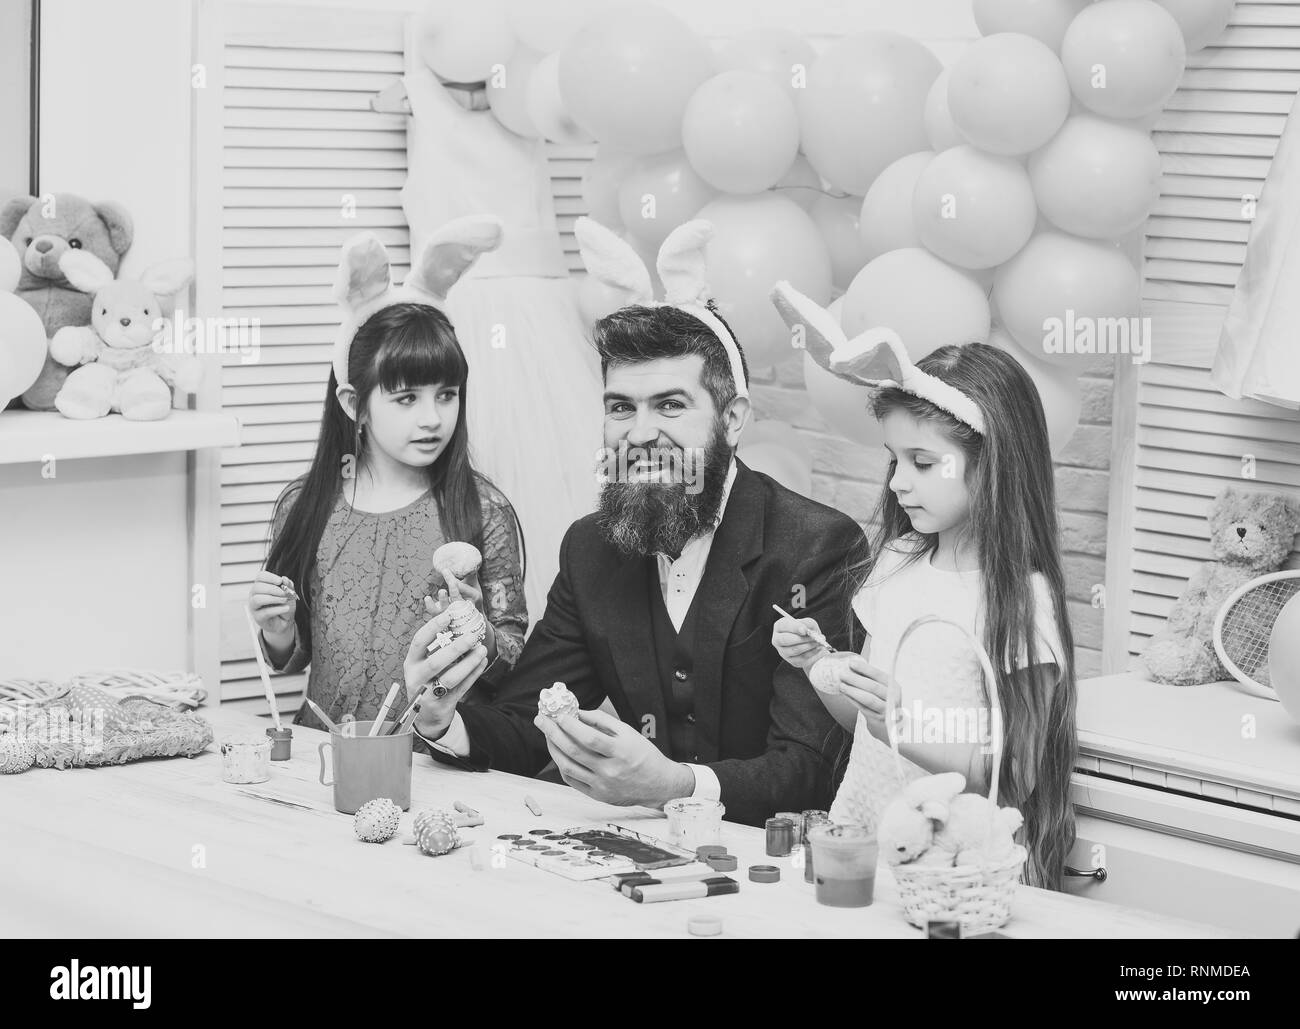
pixel 908 822
pixel 1251 533
pixel 42 231
pixel 118 358
pixel 975 832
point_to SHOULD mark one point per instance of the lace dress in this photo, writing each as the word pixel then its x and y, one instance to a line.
pixel 367 592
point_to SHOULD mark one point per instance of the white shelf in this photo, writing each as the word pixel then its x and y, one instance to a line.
pixel 1215 740
pixel 31 435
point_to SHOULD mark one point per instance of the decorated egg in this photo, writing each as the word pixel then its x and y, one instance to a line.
pixel 435 832
pixel 557 701
pixel 376 820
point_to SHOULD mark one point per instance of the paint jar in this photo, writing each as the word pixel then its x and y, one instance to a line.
pixel 811 819
pixel 245 759
pixel 780 836
pixel 694 823
pixel 281 743
pixel 845 856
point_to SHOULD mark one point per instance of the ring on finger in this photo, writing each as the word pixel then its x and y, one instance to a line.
pixel 439 690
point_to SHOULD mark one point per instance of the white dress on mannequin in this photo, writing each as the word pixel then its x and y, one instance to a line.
pixel 534 405
pixel 1258 355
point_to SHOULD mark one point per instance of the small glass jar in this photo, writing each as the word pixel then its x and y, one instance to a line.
pixel 245 759
pixel 811 819
pixel 780 836
pixel 694 823
pixel 281 743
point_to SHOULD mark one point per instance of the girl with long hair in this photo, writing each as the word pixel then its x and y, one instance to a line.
pixel 967 529
pixel 391 480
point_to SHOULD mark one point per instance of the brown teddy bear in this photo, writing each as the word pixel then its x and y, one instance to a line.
pixel 42 231
pixel 1251 533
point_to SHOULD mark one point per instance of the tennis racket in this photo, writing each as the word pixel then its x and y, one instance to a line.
pixel 1243 626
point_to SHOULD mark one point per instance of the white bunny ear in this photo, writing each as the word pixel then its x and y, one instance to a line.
pixel 168 277
pixel 613 262
pixel 681 264
pixel 451 252
pixel 363 272
pixel 875 355
pixel 84 271
pixel 872 358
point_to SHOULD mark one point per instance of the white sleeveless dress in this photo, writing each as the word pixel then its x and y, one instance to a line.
pixel 1257 355
pixel 534 409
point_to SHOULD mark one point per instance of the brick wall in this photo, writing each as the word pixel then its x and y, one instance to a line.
pixel 849 478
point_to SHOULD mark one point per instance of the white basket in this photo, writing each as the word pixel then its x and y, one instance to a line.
pixel 977 896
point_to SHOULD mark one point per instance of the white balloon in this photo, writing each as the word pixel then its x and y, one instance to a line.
pixel 464 43
pixel 507 92
pixel 885 222
pixel 801 183
pixel 595 300
pixel 22 346
pixel 546 107
pixel 939 126
pixel 1284 657
pixel 11 267
pixel 1202 21
pixel 1058 388
pixel 546 25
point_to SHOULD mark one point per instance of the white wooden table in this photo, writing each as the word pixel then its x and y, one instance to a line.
pixel 165 848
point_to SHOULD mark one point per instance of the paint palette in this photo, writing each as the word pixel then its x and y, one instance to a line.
pixel 592 852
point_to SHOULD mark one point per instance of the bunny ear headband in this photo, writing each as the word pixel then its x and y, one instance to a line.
pixel 364 284
pixel 681 267
pixel 875 357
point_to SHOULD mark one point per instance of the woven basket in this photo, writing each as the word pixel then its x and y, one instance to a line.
pixel 977 896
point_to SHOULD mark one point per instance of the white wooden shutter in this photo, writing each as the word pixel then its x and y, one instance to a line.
pixel 567 164
pixel 298 143
pixel 1184 440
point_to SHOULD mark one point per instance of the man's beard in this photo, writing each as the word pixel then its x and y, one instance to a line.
pixel 641 518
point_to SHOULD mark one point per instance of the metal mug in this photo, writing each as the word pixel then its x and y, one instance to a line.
pixel 365 767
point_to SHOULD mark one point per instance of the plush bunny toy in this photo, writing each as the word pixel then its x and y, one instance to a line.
pixel 908 823
pixel 119 357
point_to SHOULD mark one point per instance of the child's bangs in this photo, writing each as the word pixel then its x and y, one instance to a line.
pixel 421 352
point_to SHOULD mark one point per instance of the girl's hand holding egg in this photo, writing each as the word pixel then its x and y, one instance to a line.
pixel 866 686
pixel 458 565
pixel 794 641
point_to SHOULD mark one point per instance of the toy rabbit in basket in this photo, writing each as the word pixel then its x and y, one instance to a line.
pixel 968 536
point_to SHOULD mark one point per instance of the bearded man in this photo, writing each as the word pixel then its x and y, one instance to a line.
pixel 664 602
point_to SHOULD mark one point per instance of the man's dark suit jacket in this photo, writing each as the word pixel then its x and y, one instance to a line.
pixel 758 722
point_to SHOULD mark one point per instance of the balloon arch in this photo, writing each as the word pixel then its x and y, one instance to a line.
pixel 982 201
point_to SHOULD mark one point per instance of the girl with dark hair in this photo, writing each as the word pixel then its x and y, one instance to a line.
pixel 967 529
pixel 391 480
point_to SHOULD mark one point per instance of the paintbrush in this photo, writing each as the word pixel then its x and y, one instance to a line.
pixel 383 709
pixel 262 670
pixel 329 723
pixel 412 709
pixel 812 634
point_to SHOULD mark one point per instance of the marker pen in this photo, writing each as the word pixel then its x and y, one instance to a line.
pixel 714 887
pixel 624 882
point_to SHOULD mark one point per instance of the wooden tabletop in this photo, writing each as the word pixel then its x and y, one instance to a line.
pixel 165 848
